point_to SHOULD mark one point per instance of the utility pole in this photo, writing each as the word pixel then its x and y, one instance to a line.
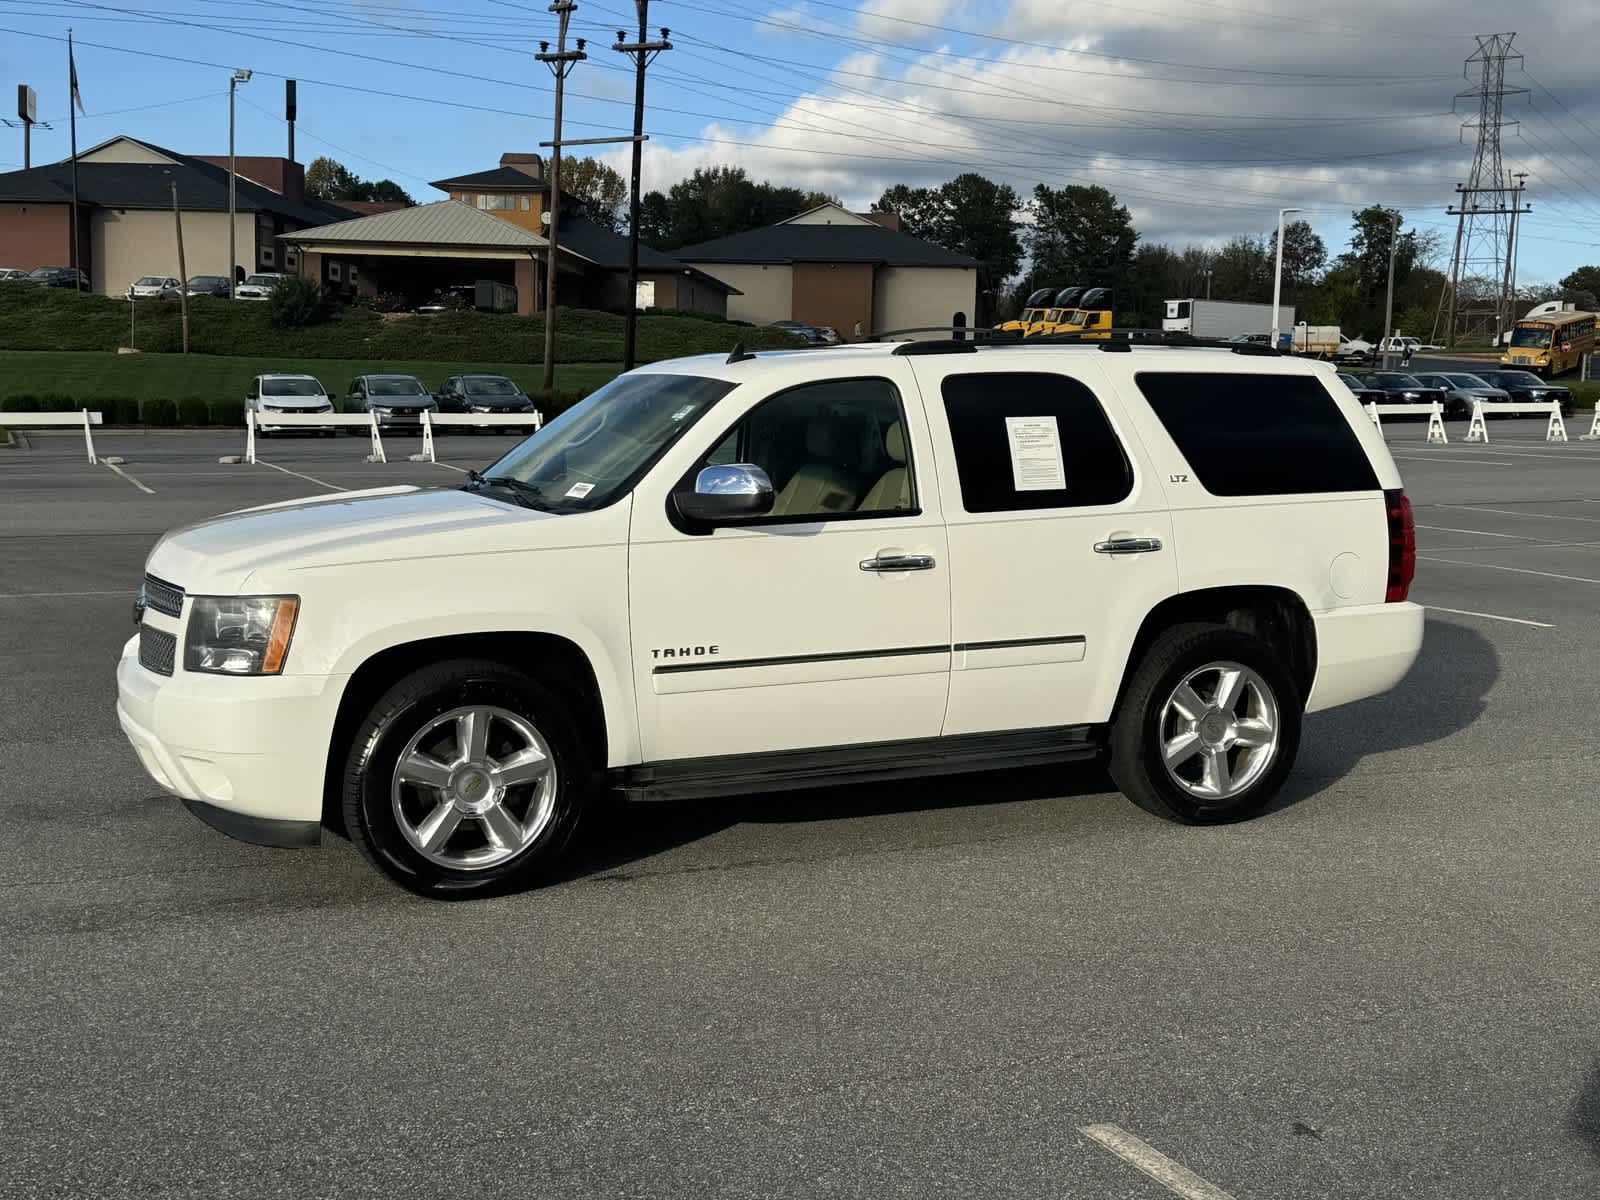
pixel 1277 275
pixel 1208 283
pixel 643 54
pixel 1388 304
pixel 239 76
pixel 1483 229
pixel 1508 293
pixel 560 64
pixel 183 269
pixel 290 111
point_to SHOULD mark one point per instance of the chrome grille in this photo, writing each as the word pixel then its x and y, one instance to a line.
pixel 158 650
pixel 162 596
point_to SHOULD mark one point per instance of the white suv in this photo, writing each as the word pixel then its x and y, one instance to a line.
pixel 720 576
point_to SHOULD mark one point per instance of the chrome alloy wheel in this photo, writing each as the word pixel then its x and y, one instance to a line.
pixel 1219 731
pixel 475 787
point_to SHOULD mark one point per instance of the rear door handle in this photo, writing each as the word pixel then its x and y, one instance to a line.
pixel 898 562
pixel 1128 545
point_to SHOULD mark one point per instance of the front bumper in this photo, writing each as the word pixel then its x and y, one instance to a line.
pixel 1363 651
pixel 248 755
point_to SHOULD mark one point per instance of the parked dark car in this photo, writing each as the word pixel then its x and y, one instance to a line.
pixel 59 277
pixel 208 285
pixel 399 400
pixel 1362 392
pixel 1524 387
pixel 801 330
pixel 1461 390
pixel 483 394
pixel 1400 388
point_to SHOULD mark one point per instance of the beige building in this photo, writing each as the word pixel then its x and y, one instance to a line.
pixel 125 213
pixel 830 266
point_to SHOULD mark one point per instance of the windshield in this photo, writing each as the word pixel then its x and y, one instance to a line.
pixel 1466 381
pixel 291 387
pixel 1392 380
pixel 490 385
pixel 1531 336
pixel 44 273
pixel 1077 317
pixel 596 450
pixel 395 387
pixel 206 281
pixel 265 281
pixel 150 281
pixel 1515 379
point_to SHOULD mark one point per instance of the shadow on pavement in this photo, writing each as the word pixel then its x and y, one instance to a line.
pixel 1445 693
pixel 1586 1113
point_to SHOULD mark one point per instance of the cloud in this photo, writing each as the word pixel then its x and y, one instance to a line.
pixel 1204 120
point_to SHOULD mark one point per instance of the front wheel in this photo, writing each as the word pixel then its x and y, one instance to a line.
pixel 466 778
pixel 1209 727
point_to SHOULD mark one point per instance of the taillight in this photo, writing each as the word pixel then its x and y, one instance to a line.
pixel 1402 545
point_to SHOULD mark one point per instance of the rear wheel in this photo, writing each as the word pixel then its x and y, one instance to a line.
pixel 1209 727
pixel 466 778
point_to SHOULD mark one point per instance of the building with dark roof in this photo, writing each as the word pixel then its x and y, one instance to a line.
pixel 830 266
pixel 125 213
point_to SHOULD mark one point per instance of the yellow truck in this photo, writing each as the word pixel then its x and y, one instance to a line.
pixel 1090 317
pixel 1061 307
pixel 1032 312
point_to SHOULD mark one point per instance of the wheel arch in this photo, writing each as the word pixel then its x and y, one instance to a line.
pixel 546 656
pixel 1277 614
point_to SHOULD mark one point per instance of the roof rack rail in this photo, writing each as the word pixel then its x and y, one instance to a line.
pixel 935 346
pixel 974 333
pixel 1119 340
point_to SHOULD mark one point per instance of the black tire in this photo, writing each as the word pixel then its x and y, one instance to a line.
pixel 1137 763
pixel 405 709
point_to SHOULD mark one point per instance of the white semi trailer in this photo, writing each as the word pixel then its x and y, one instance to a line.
pixel 1224 318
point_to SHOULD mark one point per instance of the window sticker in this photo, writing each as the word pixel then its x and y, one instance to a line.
pixel 1036 464
pixel 578 491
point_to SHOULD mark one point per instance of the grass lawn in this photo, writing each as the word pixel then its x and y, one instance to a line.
pixel 83 374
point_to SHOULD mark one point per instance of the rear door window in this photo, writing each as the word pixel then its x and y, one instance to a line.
pixel 1259 435
pixel 1029 440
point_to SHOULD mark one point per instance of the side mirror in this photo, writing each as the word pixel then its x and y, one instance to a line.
pixel 727 493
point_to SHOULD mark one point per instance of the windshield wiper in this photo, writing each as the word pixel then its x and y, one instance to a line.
pixel 528 495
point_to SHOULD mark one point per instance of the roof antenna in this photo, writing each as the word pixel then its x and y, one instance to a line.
pixel 739 354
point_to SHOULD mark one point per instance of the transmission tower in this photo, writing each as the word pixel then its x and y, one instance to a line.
pixel 1478 300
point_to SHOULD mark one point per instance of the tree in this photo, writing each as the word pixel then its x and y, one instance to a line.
pixel 1080 236
pixel 598 191
pixel 655 220
pixel 914 206
pixel 971 215
pixel 1303 255
pixel 1584 279
pixel 717 201
pixel 1242 270
pixel 327 179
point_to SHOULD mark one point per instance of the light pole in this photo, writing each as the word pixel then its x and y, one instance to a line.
pixel 1208 283
pixel 1277 275
pixel 1388 304
pixel 242 75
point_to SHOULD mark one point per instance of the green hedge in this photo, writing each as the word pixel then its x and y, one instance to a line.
pixel 35 318
pixel 194 410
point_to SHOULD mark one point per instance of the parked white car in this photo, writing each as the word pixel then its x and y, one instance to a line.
pixel 259 287
pixel 269 394
pixel 718 576
pixel 155 287
pixel 1353 350
pixel 8 274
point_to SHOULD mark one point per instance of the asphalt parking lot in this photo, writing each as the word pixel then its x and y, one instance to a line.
pixel 1386 987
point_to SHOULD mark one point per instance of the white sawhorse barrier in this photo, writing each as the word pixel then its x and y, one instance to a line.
pixel 1554 431
pixel 1594 427
pixel 312 420
pixel 1436 433
pixel 86 419
pixel 475 420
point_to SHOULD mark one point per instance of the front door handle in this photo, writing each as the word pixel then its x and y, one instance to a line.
pixel 898 562
pixel 1128 545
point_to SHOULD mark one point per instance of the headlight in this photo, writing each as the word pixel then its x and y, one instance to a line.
pixel 239 635
pixel 325 407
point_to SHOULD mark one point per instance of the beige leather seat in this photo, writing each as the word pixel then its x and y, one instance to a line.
pixel 821 486
pixel 893 489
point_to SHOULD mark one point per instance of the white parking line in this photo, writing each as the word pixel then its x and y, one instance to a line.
pixel 299 475
pixel 1175 1177
pixel 1467 612
pixel 1477 462
pixel 1520 537
pixel 1506 512
pixel 1514 570
pixel 148 491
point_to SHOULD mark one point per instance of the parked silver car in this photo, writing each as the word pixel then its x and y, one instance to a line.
pixel 259 287
pixel 155 287
pixel 1461 390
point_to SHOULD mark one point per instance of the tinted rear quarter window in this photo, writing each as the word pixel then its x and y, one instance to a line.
pixel 1094 467
pixel 1259 435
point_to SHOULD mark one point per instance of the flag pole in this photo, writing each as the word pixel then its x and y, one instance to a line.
pixel 72 108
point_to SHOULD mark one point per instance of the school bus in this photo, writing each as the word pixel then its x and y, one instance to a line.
pixel 1550 345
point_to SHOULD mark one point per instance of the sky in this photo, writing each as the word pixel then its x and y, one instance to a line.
pixel 1203 116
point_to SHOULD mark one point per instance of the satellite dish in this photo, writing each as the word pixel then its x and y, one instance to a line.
pixel 544 218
